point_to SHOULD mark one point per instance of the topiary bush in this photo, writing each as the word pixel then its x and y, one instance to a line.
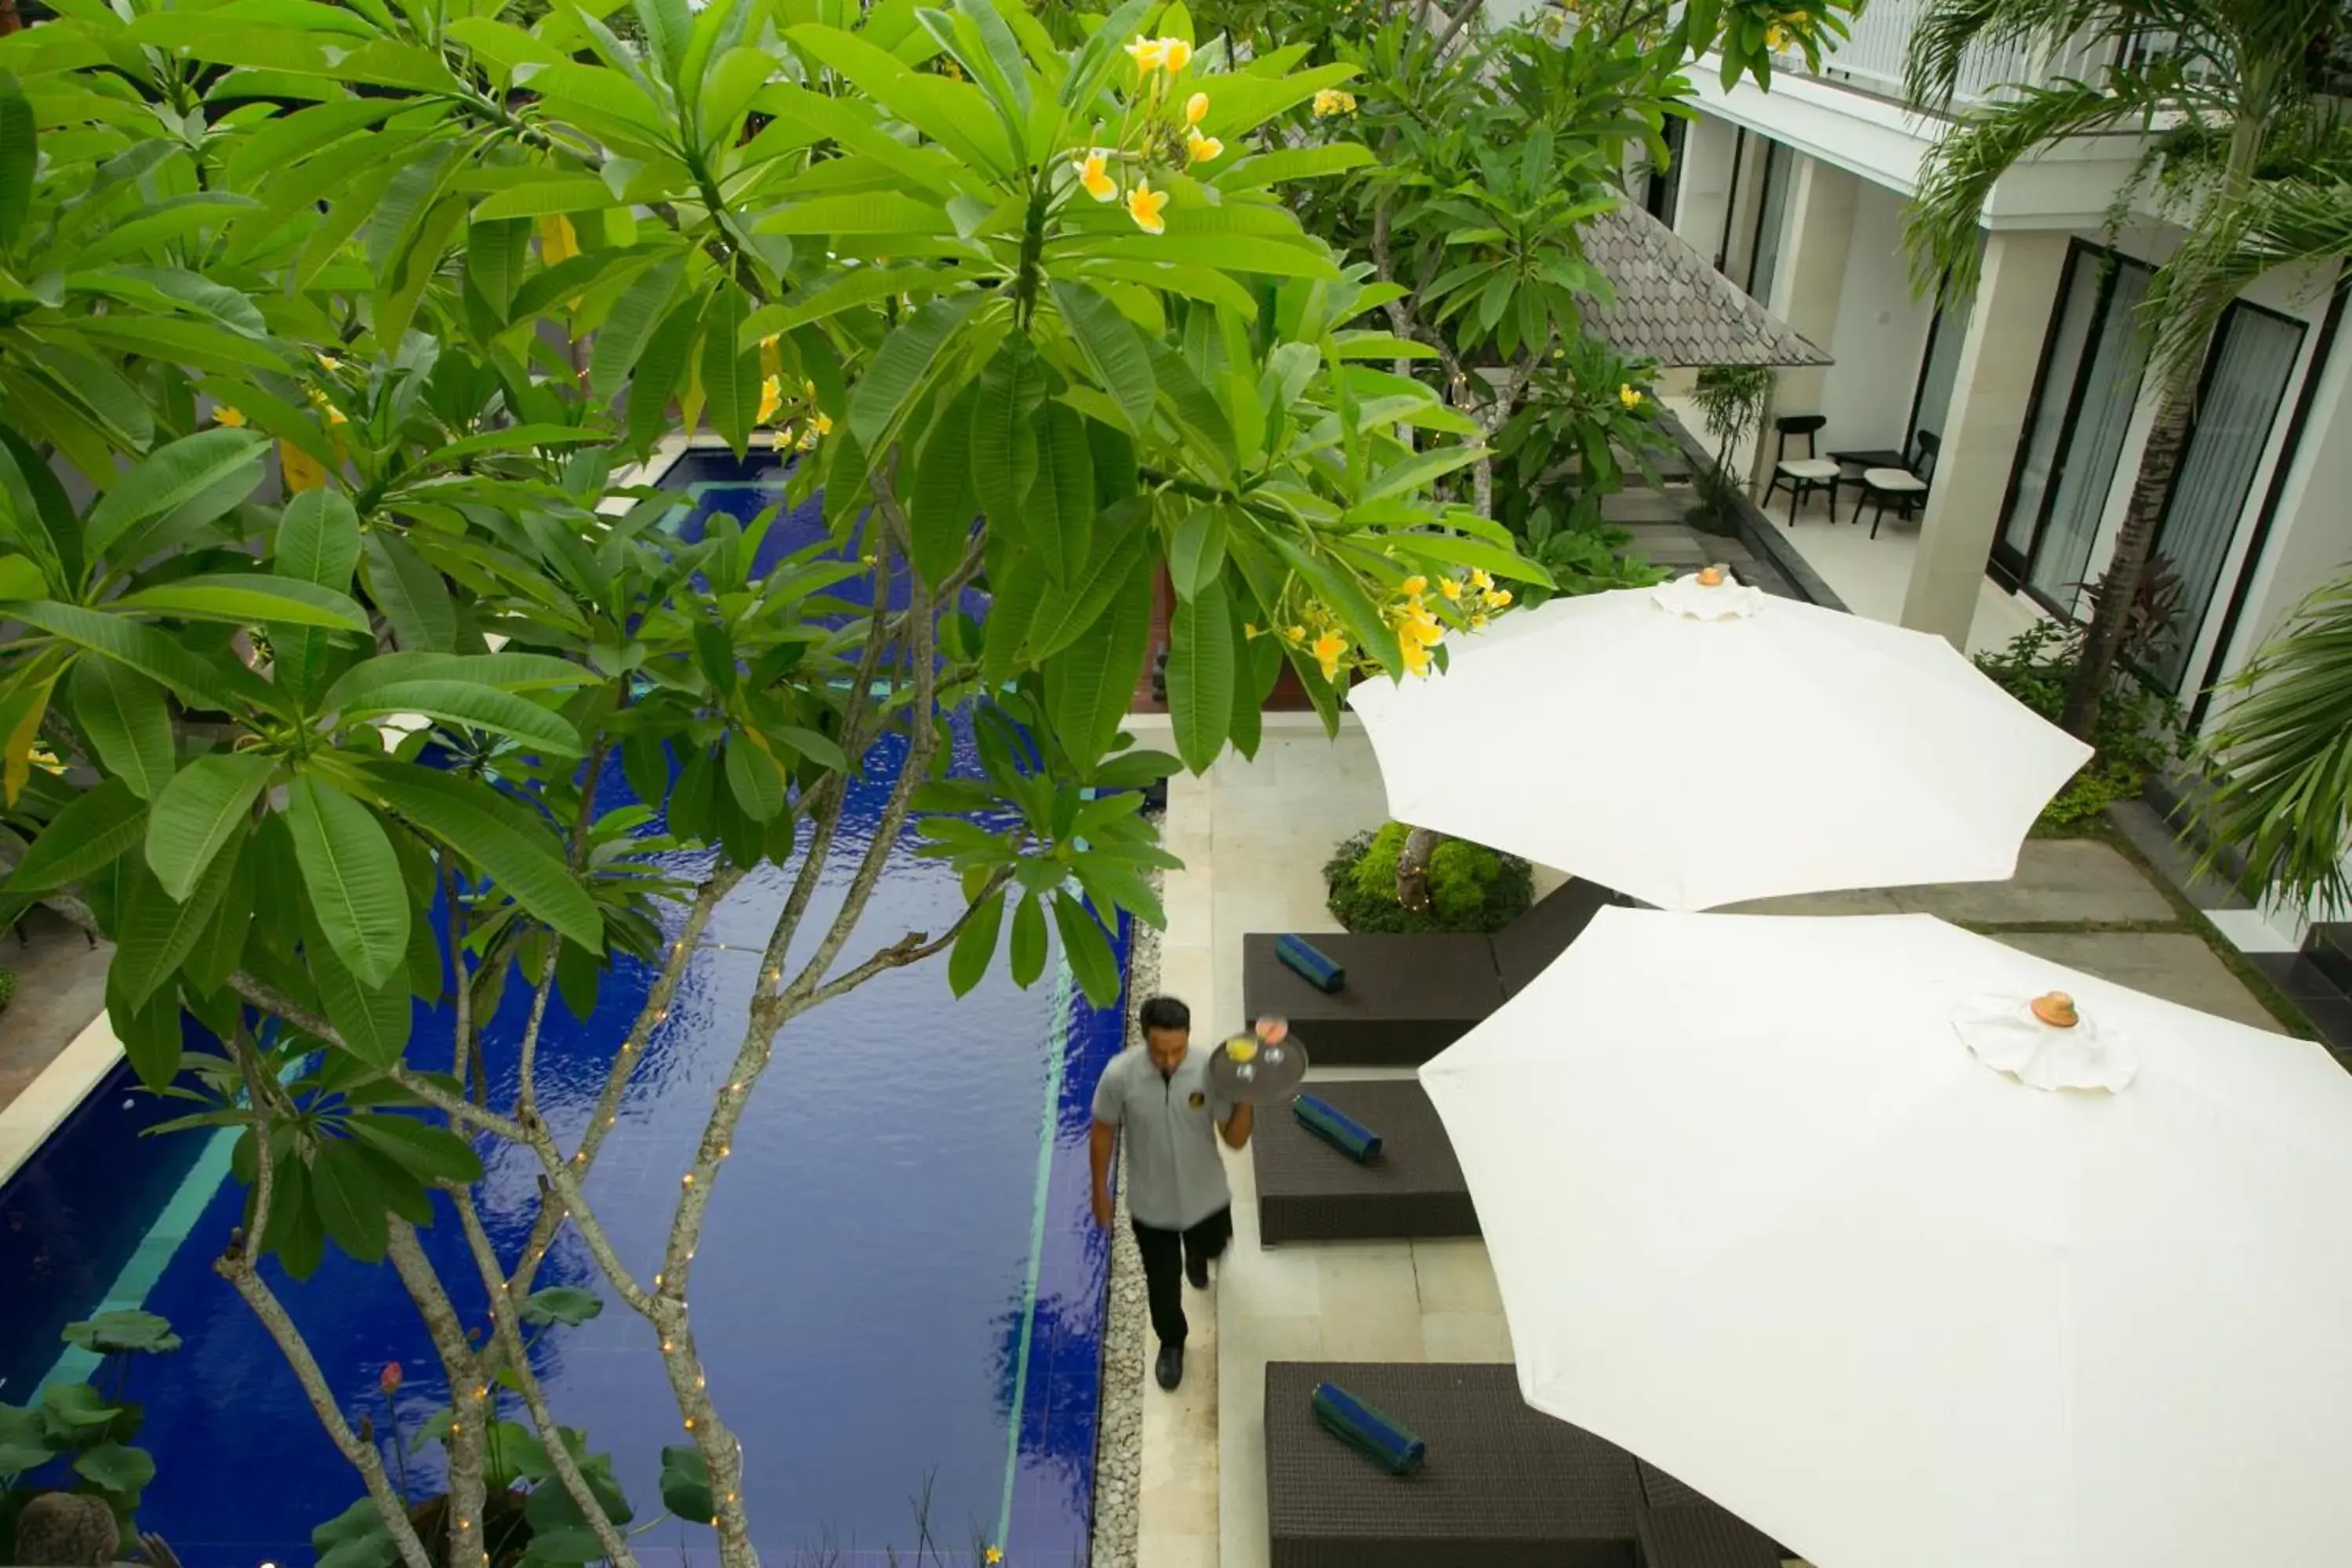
pixel 2137 732
pixel 1471 888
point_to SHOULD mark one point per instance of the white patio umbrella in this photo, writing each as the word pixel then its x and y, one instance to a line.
pixel 1783 1206
pixel 1697 746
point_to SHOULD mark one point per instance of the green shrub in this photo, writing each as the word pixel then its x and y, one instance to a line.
pixel 7 987
pixel 1471 888
pixel 2137 732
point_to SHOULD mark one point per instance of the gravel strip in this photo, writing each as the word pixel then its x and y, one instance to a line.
pixel 1119 1443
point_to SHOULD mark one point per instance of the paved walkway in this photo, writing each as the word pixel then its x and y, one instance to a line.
pixel 1253 837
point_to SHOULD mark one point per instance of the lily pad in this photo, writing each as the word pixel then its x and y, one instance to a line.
pixel 112 1332
pixel 565 1304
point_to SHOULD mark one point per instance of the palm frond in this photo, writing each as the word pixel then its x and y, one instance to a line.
pixel 2281 757
pixel 1960 171
pixel 2277 224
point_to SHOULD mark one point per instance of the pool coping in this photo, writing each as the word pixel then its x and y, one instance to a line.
pixel 44 1105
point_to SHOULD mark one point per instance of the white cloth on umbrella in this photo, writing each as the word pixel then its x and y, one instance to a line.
pixel 1690 762
pixel 1760 1215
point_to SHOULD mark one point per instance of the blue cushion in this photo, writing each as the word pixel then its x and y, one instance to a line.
pixel 1371 1433
pixel 1316 968
pixel 1336 1128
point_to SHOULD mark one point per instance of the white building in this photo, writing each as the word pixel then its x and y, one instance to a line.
pixel 2033 389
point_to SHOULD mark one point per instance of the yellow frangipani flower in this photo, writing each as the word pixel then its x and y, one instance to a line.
pixel 1450 587
pixel 329 363
pixel 336 415
pixel 771 399
pixel 1333 101
pixel 1480 580
pixel 1629 397
pixel 1499 598
pixel 1175 54
pixel 1200 149
pixel 1328 649
pixel 1093 175
pixel 994 1555
pixel 1413 587
pixel 224 415
pixel 1294 634
pixel 1145 204
pixel 1477 623
pixel 1249 629
pixel 1148 53
pixel 1196 109
pixel 1775 37
pixel 1416 660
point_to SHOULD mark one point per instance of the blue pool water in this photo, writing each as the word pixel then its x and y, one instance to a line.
pixel 899 1291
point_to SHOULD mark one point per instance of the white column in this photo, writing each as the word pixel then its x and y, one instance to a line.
pixel 1998 361
pixel 1808 282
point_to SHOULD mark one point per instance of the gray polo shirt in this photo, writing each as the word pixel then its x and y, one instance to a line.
pixel 1175 1178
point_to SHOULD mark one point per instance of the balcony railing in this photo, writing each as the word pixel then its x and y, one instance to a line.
pixel 1873 57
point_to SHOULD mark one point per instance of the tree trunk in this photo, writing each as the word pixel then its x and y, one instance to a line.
pixel 1412 868
pixel 2103 640
pixel 10 21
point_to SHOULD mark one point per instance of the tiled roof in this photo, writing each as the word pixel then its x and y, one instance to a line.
pixel 1673 306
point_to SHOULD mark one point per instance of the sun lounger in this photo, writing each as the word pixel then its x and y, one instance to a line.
pixel 1407 998
pixel 1502 1487
pixel 1306 1191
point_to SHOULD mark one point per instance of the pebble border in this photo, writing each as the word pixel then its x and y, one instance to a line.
pixel 1119 1444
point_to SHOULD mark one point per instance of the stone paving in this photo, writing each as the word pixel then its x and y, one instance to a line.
pixel 1253 837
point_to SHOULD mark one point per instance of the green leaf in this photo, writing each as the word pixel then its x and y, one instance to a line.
pixel 497 253
pixel 754 778
pixel 243 599
pixel 371 1023
pixel 149 1033
pixel 685 1484
pixel 1420 470
pixel 975 945
pixel 1268 169
pixel 454 810
pixel 507 671
pixel 348 1199
pixel 468 705
pixel 16 157
pixel 352 878
pixel 565 1304
pixel 318 540
pixel 543 198
pixel 128 723
pixel 902 366
pixel 1113 351
pixel 1457 551
pixel 156 932
pixel 77 1406
pixel 1196 556
pixel 111 1468
pixel 941 505
pixel 428 1153
pixel 170 474
pixel 514 438
pixel 198 680
pixel 1004 437
pixel 88 835
pixel 124 1331
pixel 21 579
pixel 196 813
pixel 1088 950
pixel 730 376
pixel 1201 675
pixel 630 327
pixel 1118 560
pixel 1090 685
pixel 658 370
pixel 872 212
pixel 1029 949
pixel 1062 500
pixel 410 593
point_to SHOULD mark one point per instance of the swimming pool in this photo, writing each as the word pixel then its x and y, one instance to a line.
pixel 899 1292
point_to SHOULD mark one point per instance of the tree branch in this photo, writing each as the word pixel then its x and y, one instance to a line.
pixel 469 1394
pixel 912 948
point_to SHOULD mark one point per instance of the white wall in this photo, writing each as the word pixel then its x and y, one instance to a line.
pixel 1881 335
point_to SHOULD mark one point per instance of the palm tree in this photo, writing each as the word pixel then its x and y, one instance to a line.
pixel 2231 92
pixel 2282 760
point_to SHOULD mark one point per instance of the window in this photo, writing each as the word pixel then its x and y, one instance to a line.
pixel 1662 183
pixel 2253 358
pixel 1939 367
pixel 2074 434
pixel 1771 215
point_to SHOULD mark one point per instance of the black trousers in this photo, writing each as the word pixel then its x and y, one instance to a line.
pixel 1164 1252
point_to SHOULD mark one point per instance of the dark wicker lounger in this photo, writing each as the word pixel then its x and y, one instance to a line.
pixel 1408 997
pixel 1309 1191
pixel 1504 1486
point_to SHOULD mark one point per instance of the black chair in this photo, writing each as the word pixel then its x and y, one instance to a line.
pixel 1806 475
pixel 1905 489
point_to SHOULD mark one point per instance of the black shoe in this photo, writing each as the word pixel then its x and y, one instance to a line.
pixel 1196 1269
pixel 1169 1369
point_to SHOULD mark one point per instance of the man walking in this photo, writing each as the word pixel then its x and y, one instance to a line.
pixel 1176 1198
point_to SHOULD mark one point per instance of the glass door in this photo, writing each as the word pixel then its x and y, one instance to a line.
pixel 2075 436
pixel 1939 367
pixel 1771 215
pixel 2246 380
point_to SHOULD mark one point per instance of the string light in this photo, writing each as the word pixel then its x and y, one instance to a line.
pixel 658 1280
pixel 612 1122
pixel 725 1150
pixel 666 1345
pixel 688 1178
pixel 689 1423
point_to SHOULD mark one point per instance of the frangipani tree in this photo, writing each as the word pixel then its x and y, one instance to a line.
pixel 325 330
